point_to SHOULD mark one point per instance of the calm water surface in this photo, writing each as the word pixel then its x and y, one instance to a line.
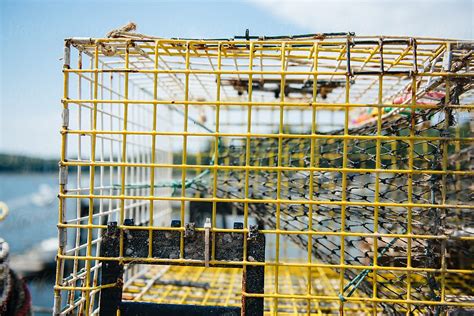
pixel 32 218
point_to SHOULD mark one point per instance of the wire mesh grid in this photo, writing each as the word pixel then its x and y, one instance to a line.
pixel 353 155
pixel 222 286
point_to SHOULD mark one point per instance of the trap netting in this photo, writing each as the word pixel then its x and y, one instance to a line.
pixel 352 156
pixel 372 201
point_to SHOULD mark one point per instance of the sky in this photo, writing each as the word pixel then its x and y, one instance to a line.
pixel 32 33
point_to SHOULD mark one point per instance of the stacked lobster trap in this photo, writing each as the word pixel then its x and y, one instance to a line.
pixel 314 174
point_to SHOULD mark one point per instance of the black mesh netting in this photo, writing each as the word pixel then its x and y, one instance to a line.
pixel 427 188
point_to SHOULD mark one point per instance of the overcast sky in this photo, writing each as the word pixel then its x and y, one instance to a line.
pixel 32 33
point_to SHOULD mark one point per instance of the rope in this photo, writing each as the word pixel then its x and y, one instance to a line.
pixel 127 31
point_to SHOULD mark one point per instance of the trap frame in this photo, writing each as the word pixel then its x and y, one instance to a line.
pixel 344 162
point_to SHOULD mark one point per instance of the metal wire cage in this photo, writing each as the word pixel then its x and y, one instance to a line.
pixel 314 174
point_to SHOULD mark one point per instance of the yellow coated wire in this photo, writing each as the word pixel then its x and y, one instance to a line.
pixel 178 76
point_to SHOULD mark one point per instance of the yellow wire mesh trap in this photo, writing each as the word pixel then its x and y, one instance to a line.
pixel 353 155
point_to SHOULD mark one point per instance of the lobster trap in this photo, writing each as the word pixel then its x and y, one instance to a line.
pixel 314 174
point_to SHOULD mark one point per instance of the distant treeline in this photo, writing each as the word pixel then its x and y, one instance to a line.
pixel 18 163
